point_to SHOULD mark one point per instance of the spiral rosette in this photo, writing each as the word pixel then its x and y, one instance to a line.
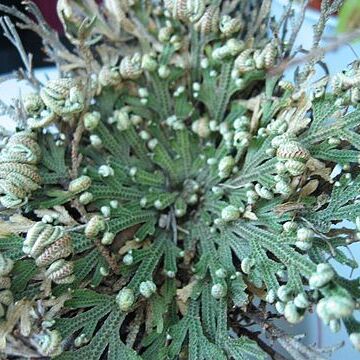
pixel 49 246
pixel 6 296
pixel 61 272
pixel 209 21
pixel 346 86
pixel 94 226
pixel 293 155
pixel 61 248
pixel 59 98
pixel 186 10
pixel 33 104
pixel 109 76
pixel 229 26
pixel 19 176
pixel 63 96
pixel 130 67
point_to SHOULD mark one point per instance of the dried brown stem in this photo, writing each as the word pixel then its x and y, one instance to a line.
pixel 292 345
pixel 316 53
pixel 106 254
pixel 15 347
pixel 263 14
pixel 255 336
pixel 76 158
pixel 297 24
pixel 53 47
pixel 12 35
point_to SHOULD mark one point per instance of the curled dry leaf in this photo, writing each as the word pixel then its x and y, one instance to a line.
pixel 288 207
pixel 16 224
pixel 183 294
pixel 309 187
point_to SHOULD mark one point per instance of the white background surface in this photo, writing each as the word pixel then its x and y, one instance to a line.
pixel 12 89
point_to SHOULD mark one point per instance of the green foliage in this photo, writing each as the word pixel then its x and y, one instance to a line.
pixel 185 187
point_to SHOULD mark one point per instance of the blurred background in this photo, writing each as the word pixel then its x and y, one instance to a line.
pixel 347 20
pixel 9 57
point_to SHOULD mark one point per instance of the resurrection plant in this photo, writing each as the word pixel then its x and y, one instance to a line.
pixel 171 195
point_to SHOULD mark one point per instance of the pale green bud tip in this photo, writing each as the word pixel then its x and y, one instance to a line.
pixel 292 313
pixel 340 306
pixel 284 293
pixel 86 198
pixel 80 184
pixel 246 265
pixel 270 296
pixel 147 288
pixel 91 120
pixel 164 71
pixel 263 192
pixel 335 307
pixel 149 63
pixel 218 291
pixel 109 76
pixel 280 307
pixel 289 226
pixel 104 271
pixel 33 104
pixel 107 238
pixel 221 273
pixel 81 340
pixel 95 140
pixel 152 143
pixel 301 301
pixel 130 67
pixel 302 245
pixel 125 299
pixel 106 211
pixel 180 207
pixel 225 166
pixel 230 213
pixel 229 25
pixel 122 119
pixel 323 275
pixel 106 171
pixel 6 297
pixel 128 259
pixel 95 225
pixel 170 274
pixel 355 340
pixel 143 92
pixel 114 204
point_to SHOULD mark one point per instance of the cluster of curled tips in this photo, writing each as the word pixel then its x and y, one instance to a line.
pixel 49 246
pixel 59 98
pixel 19 175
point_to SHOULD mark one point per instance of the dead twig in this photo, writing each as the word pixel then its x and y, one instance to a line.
pixel 291 344
pixel 108 258
pixel 76 158
pixel 15 347
pixel 56 51
pixel 12 35
pixel 316 53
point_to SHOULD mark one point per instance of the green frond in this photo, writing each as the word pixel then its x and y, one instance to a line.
pixel 172 193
